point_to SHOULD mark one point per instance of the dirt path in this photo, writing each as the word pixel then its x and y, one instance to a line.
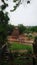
pixel 20 51
pixel 27 44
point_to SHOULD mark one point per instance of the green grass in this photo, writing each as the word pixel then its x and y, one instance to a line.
pixel 18 46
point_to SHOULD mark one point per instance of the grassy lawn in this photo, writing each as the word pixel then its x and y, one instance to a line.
pixel 18 46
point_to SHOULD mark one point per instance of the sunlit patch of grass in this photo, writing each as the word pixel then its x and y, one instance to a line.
pixel 18 46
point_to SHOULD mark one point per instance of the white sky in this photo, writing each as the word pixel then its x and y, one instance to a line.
pixel 25 14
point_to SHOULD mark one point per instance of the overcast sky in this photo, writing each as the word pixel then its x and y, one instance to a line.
pixel 25 14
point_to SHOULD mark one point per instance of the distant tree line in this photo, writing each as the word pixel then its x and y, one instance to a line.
pixel 32 28
pixel 22 29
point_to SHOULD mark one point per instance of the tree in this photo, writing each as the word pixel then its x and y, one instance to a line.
pixel 4 23
pixel 18 2
pixel 10 29
pixel 3 27
pixel 34 28
pixel 3 32
pixel 21 28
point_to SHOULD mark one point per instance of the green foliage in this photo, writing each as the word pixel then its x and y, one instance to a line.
pixel 18 46
pixel 10 29
pixel 17 5
pixel 21 59
pixel 34 29
pixel 3 1
pixel 3 26
pixel 15 0
pixel 4 6
pixel 30 36
pixel 21 28
pixel 28 2
pixel 31 29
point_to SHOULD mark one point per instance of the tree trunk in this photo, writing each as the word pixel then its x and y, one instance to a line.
pixel 34 60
